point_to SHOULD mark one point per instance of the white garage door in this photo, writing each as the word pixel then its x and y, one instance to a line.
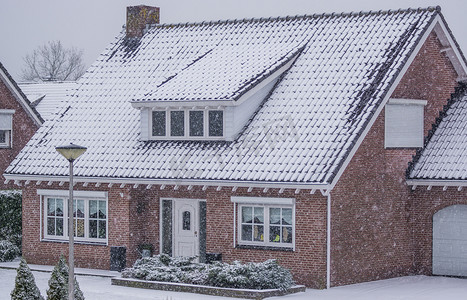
pixel 450 241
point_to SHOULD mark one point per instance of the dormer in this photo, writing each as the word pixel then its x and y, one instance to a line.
pixel 214 96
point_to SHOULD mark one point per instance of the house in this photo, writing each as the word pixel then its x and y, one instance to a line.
pixel 47 97
pixel 18 122
pixel 284 138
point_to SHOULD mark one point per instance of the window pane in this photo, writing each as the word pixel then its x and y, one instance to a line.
pixel 102 210
pixel 286 216
pixel 51 226
pixel 287 234
pixel 246 232
pixel 93 209
pixel 59 207
pixel 246 215
pixel 158 123
pixel 196 123
pixel 259 215
pixel 80 228
pixel 274 216
pixel 186 220
pixel 102 229
pixel 59 227
pixel 274 234
pixel 177 123
pixel 93 229
pixel 51 207
pixel 258 233
pixel 216 123
pixel 2 136
pixel 79 212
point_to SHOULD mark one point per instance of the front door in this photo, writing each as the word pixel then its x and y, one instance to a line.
pixel 186 228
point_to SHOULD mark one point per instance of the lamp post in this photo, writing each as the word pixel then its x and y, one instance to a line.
pixel 71 152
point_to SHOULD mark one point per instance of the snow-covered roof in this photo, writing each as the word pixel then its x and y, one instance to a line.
pixel 301 134
pixel 444 157
pixel 47 97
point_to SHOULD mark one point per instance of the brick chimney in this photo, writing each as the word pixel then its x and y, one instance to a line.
pixel 137 17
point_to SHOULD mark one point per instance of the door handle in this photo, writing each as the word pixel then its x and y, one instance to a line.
pixel 196 233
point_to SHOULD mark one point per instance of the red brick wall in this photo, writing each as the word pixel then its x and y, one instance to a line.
pixel 23 130
pixel 371 225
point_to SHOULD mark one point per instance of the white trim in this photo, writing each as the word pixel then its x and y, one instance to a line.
pixel 66 193
pixel 165 182
pixel 429 182
pixel 394 101
pixel 328 242
pixel 7 111
pixel 263 200
pixel 383 103
pixel 266 225
pixel 84 196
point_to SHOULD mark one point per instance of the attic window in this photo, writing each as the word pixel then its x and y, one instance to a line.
pixel 6 126
pixel 187 124
pixel 404 123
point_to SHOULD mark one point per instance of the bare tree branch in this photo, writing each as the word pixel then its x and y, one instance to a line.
pixel 52 62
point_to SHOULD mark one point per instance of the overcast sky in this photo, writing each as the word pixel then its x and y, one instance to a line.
pixel 92 24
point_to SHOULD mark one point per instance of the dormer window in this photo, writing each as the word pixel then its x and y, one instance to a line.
pixel 187 124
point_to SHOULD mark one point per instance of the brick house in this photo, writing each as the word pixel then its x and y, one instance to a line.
pixel 284 138
pixel 18 123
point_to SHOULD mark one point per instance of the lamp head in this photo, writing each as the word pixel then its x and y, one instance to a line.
pixel 71 151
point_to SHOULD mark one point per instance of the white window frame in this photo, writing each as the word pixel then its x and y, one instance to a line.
pixel 77 195
pixel 391 140
pixel 187 135
pixel 7 128
pixel 266 204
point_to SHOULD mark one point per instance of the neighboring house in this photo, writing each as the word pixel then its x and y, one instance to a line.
pixel 47 97
pixel 18 123
pixel 284 138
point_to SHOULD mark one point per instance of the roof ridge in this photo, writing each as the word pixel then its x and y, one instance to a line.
pixel 305 16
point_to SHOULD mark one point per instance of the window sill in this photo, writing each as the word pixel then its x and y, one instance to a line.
pixel 268 248
pixel 75 242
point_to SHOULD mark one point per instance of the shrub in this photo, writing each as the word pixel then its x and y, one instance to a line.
pixel 58 283
pixel 25 285
pixel 8 251
pixel 10 213
pixel 265 275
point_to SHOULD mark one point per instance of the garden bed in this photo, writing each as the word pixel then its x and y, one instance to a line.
pixel 206 290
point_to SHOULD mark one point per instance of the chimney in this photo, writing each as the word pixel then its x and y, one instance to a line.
pixel 137 17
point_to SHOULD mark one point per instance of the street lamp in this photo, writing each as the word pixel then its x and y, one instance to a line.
pixel 71 152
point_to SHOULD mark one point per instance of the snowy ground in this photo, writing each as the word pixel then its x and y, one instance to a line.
pixel 404 288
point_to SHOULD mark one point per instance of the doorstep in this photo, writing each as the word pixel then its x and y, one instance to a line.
pixel 46 268
pixel 206 290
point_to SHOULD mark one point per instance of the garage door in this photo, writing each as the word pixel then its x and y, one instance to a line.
pixel 450 241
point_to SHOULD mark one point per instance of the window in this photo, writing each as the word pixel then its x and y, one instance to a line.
pixel 268 222
pixel 187 124
pixel 6 125
pixel 89 213
pixel 404 123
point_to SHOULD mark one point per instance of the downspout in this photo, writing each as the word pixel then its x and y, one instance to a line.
pixel 328 241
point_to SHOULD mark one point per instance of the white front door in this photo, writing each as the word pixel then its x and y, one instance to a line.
pixel 186 228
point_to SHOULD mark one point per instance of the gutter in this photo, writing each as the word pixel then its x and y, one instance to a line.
pixel 328 242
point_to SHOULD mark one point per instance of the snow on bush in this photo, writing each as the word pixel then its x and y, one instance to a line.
pixel 8 251
pixel 265 275
pixel 25 285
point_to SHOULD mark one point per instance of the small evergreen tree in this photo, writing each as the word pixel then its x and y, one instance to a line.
pixel 58 283
pixel 25 286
